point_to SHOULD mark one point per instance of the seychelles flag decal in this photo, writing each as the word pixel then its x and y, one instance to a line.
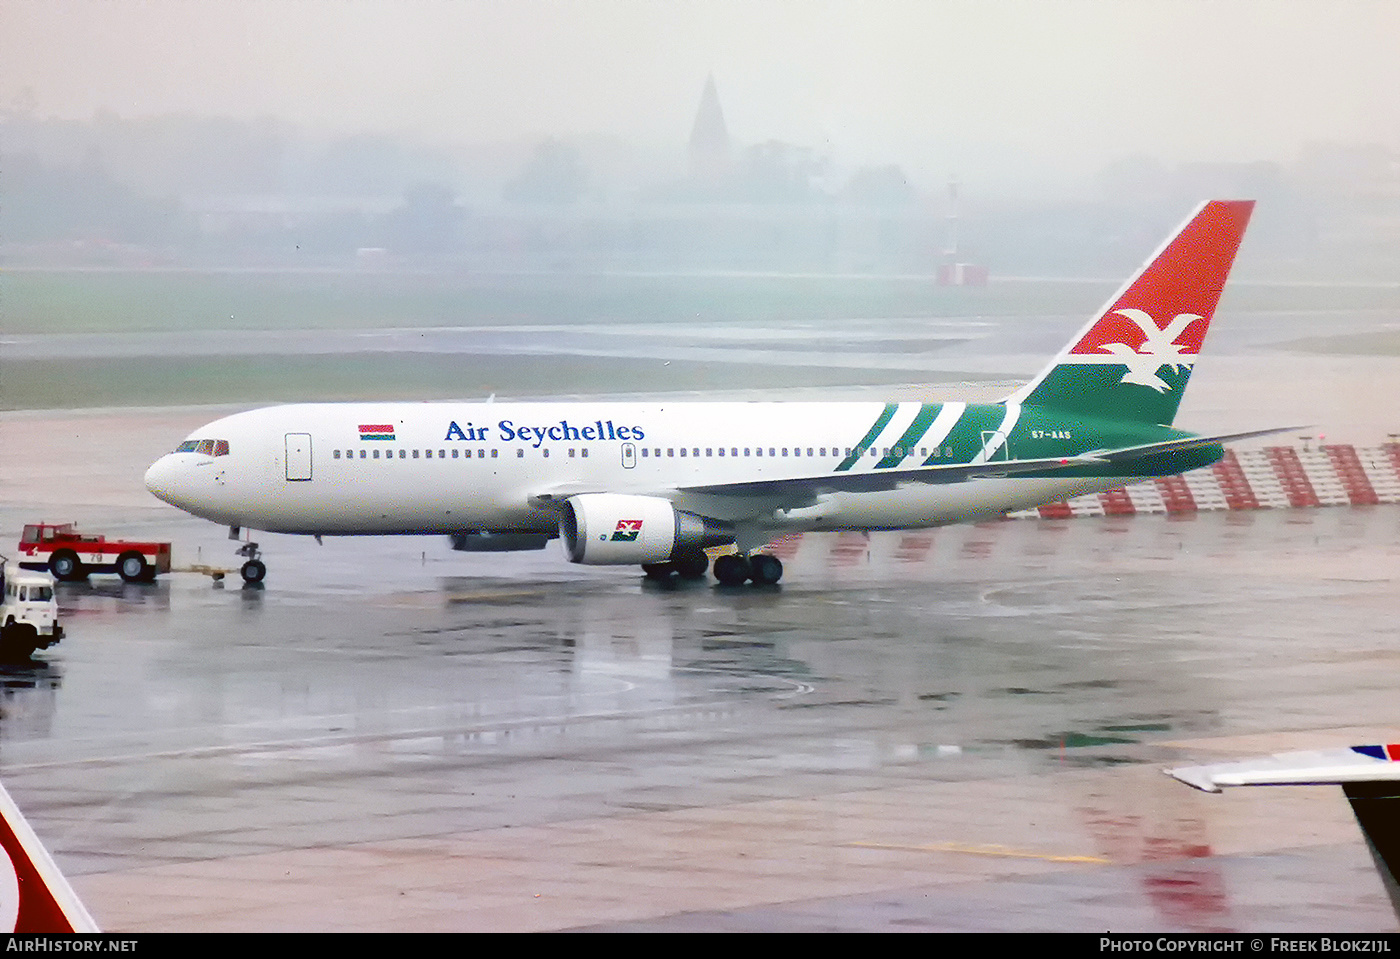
pixel 376 431
pixel 627 530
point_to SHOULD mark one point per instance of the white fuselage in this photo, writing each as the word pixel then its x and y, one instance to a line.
pixel 394 468
pixel 657 484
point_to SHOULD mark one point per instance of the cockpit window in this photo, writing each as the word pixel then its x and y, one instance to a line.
pixel 207 447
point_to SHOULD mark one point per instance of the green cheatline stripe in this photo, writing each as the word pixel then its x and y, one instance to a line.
pixel 881 422
pixel 905 444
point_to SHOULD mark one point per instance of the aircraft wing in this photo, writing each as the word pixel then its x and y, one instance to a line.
pixel 806 487
pixel 1357 764
pixel 552 496
pixel 892 479
pixel 961 472
pixel 1368 775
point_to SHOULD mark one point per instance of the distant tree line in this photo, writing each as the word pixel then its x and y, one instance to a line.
pixel 43 202
pixel 217 187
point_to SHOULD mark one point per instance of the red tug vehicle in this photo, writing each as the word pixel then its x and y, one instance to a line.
pixel 59 548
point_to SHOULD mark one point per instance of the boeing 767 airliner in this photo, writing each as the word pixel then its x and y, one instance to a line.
pixel 656 484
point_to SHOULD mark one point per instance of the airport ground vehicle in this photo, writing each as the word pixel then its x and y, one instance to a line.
pixel 69 555
pixel 28 612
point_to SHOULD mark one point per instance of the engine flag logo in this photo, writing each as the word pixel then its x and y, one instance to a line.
pixel 376 431
pixel 627 531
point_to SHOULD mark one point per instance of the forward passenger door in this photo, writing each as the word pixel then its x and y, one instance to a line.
pixel 298 456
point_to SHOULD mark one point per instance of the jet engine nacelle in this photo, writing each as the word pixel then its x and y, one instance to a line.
pixel 622 530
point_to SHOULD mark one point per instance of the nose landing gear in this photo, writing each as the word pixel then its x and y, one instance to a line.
pixel 254 569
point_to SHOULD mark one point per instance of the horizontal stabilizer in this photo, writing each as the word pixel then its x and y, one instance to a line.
pixel 1127 454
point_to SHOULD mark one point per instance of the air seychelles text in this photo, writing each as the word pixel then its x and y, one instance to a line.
pixel 563 431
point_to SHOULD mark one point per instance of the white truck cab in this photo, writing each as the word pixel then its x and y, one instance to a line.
pixel 28 612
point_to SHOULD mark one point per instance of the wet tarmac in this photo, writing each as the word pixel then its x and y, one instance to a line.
pixel 959 729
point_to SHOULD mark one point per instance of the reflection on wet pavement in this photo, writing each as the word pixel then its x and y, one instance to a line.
pixel 950 729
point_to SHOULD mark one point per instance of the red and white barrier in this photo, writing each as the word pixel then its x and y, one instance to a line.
pixel 1274 477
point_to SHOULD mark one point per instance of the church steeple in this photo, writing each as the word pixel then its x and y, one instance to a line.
pixel 709 139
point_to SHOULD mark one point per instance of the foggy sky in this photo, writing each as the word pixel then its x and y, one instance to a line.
pixel 934 84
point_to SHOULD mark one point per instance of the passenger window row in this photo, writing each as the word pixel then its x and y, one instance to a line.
pixel 457 453
pixel 670 452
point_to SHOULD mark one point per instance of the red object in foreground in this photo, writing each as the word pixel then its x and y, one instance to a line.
pixel 34 896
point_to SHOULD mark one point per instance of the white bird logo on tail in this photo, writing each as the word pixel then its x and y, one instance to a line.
pixel 1159 349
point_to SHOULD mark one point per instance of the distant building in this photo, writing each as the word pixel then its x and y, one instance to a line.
pixel 962 274
pixel 709 139
pixel 952 271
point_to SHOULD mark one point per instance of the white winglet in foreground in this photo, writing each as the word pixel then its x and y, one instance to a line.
pixel 1369 775
pixel 1358 764
pixel 34 896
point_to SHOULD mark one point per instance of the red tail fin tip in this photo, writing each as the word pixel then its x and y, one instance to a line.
pixel 1167 307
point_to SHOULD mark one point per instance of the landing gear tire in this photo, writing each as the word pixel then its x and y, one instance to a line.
pixel 66 566
pixel 732 570
pixel 692 566
pixel 253 571
pixel 659 572
pixel 133 568
pixel 766 570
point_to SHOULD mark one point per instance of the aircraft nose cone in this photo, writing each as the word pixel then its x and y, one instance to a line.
pixel 160 480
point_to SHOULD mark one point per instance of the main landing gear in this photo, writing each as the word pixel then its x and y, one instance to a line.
pixel 734 569
pixel 689 566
